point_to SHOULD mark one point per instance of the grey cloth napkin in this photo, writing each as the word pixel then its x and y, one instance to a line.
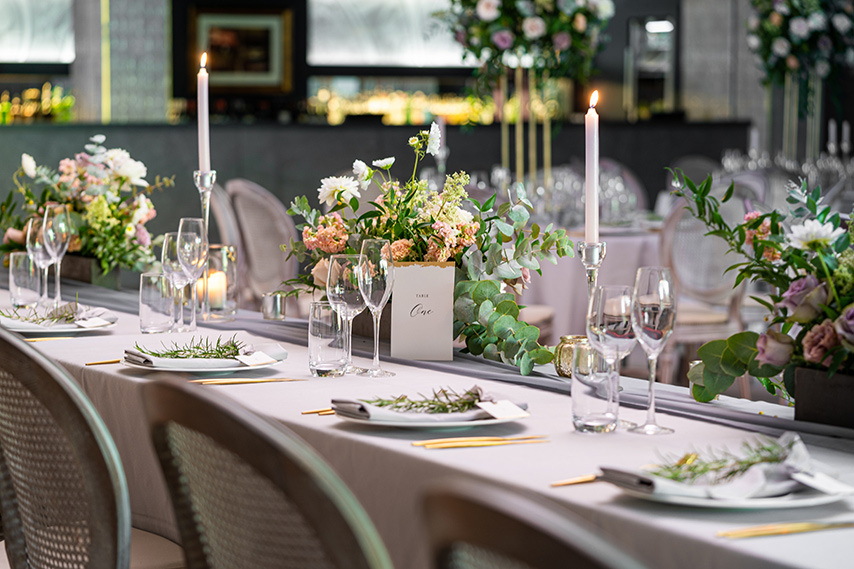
pixel 134 356
pixel 760 481
pixel 357 409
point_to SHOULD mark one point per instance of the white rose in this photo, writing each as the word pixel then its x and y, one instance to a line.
pixel 488 10
pixel 841 22
pixel 338 188
pixel 800 28
pixel 817 21
pixel 780 47
pixel 28 163
pixel 434 140
pixel 533 28
pixel 134 170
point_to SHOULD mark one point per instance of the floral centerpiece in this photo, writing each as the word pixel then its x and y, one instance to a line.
pixel 807 259
pixel 561 36
pixel 106 194
pixel 492 246
pixel 801 37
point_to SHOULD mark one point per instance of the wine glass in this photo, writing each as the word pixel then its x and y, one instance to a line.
pixel 342 285
pixel 375 275
pixel 610 332
pixel 57 236
pixel 38 252
pixel 171 264
pixel 653 316
pixel 192 255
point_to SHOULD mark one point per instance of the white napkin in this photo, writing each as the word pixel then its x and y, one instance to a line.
pixel 134 356
pixel 760 481
pixel 358 409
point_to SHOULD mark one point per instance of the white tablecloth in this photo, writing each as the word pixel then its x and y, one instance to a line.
pixel 388 475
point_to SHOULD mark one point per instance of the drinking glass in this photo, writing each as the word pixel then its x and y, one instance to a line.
pixel 23 280
pixel 342 285
pixel 39 254
pixel 653 316
pixel 57 236
pixel 193 255
pixel 610 332
pixel 155 303
pixel 171 265
pixel 591 412
pixel 376 275
pixel 327 342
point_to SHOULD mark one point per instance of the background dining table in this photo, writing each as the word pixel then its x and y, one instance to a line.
pixel 389 475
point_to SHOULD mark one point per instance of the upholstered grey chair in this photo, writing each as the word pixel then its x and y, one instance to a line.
pixel 476 525
pixel 63 495
pixel 247 492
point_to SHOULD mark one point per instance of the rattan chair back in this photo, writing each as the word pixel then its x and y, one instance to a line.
pixel 476 525
pixel 63 495
pixel 248 492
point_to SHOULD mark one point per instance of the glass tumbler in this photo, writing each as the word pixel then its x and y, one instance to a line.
pixel 327 346
pixel 155 303
pixel 23 280
pixel 594 410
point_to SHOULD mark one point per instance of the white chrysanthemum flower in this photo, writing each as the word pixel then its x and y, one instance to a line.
pixel 362 173
pixel 780 47
pixel 533 28
pixel 841 22
pixel 799 28
pixel 338 188
pixel 813 235
pixel 134 170
pixel 434 140
pixel 384 163
pixel 488 10
pixel 28 163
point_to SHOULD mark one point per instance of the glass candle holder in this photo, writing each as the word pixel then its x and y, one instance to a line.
pixel 222 283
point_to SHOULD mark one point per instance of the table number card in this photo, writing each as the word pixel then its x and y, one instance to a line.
pixel 422 311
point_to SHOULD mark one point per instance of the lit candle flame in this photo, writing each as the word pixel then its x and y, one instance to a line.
pixel 594 98
pixel 204 59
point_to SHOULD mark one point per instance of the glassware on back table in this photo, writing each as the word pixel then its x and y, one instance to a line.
pixel 171 264
pixel 376 275
pixel 193 255
pixel 39 254
pixel 57 236
pixel 342 285
pixel 610 332
pixel 653 317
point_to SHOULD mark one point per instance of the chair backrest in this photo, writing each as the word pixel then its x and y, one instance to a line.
pixel 225 217
pixel 247 492
pixel 475 525
pixel 63 494
pixel 695 167
pixel 264 226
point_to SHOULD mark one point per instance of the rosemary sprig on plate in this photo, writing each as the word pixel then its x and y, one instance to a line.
pixel 64 314
pixel 201 348
pixel 717 467
pixel 444 400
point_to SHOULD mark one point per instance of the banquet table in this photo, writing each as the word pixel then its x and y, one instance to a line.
pixel 389 475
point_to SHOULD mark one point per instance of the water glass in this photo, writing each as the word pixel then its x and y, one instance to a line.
pixel 23 280
pixel 594 410
pixel 155 303
pixel 327 346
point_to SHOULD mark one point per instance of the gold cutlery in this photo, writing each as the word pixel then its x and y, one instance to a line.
pixel 782 529
pixel 577 480
pixel 104 362
pixel 240 380
pixel 475 444
pixel 474 439
pixel 48 338
pixel 324 411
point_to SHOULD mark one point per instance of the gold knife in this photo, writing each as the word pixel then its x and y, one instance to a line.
pixel 239 380
pixel 475 444
pixel 48 338
pixel 782 529
pixel 577 480
pixel 474 439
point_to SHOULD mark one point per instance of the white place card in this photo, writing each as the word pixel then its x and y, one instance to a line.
pixel 92 323
pixel 256 359
pixel 422 311
pixel 503 409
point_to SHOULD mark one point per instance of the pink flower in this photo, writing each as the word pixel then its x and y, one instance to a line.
pixel 330 235
pixel 13 235
pixel 803 299
pixel 467 233
pixel 819 341
pixel 774 348
pixel 580 23
pixel 401 249
pixel 792 62
pixel 320 272
pixel 143 237
pixel 436 252
pixel 503 39
pixel 562 41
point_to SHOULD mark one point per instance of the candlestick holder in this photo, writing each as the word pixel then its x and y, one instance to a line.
pixel 591 255
pixel 205 180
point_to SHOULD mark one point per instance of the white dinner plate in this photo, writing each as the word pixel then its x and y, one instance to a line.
pixel 800 499
pixel 428 424
pixel 230 369
pixel 58 329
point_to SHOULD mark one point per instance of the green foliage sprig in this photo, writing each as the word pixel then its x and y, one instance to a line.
pixel 444 400
pixel 198 348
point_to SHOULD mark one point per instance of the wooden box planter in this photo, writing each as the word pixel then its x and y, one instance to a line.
pixel 823 399
pixel 88 270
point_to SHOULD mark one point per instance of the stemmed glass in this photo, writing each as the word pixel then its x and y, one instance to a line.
pixel 342 285
pixel 171 264
pixel 57 236
pixel 653 316
pixel 376 275
pixel 193 255
pixel 610 332
pixel 38 252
